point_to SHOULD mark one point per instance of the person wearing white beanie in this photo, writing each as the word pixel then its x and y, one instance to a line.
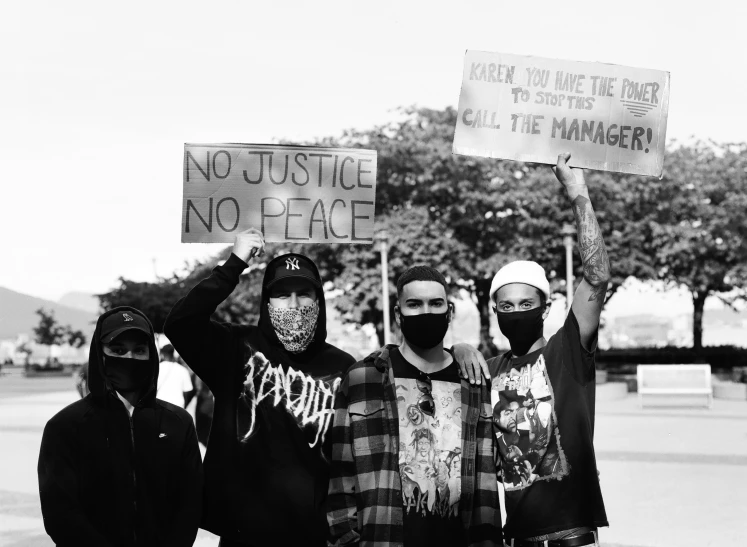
pixel 552 491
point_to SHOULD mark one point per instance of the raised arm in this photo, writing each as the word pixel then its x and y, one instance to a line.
pixel 204 344
pixel 589 297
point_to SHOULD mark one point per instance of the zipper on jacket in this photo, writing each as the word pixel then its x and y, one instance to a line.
pixel 134 459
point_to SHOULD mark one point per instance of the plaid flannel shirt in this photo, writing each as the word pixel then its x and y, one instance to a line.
pixel 365 505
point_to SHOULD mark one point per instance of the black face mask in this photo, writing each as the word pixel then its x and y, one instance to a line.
pixel 425 330
pixel 127 374
pixel 522 328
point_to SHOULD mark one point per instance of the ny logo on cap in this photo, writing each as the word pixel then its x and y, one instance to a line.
pixel 127 317
pixel 292 264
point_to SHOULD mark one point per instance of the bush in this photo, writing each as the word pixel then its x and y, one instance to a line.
pixel 624 361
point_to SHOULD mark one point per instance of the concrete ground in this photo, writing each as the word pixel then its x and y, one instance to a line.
pixel 671 476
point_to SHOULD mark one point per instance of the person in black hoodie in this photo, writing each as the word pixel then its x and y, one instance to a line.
pixel 266 472
pixel 120 467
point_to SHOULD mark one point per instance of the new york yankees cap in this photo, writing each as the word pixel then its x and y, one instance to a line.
pixel 120 321
pixel 289 266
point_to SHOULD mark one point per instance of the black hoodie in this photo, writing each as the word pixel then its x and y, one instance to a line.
pixel 108 479
pixel 265 472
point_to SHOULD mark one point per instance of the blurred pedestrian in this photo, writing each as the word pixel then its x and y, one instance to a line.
pixel 81 381
pixel 121 467
pixel 174 381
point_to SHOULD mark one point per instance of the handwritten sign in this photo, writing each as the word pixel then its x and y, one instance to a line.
pixel 291 193
pixel 609 117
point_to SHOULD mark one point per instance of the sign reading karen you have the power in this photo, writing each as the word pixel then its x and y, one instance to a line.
pixel 609 117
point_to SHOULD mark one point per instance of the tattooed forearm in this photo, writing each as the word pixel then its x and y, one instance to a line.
pixel 591 245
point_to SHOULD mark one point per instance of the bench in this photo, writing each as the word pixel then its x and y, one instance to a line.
pixel 676 381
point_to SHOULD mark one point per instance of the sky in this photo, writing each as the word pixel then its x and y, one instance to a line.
pixel 97 100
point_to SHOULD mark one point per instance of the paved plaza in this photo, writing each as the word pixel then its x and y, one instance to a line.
pixel 670 476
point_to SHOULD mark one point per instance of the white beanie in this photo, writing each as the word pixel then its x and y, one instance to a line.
pixel 521 271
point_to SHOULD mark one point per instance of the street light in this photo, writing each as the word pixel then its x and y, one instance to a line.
pixel 568 233
pixel 382 238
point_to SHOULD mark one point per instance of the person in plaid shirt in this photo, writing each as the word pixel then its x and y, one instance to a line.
pixel 427 477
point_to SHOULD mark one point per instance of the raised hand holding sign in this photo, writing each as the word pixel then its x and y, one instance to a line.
pixel 249 244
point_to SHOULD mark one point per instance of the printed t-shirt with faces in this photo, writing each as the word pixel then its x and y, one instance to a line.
pixel 430 448
pixel 543 415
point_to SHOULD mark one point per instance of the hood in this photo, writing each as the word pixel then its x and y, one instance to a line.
pixel 265 324
pixel 97 382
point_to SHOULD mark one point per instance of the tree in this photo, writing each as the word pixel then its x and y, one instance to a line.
pixel 48 332
pixel 155 299
pixel 688 228
pixel 24 348
pixel 496 210
pixel 693 223
pixel 75 338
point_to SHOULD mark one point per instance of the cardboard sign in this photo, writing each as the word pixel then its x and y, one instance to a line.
pixel 609 117
pixel 290 193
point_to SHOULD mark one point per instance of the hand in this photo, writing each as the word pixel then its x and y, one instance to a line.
pixel 249 244
pixel 471 362
pixel 568 176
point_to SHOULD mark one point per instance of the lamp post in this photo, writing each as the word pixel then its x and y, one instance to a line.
pixel 568 233
pixel 382 238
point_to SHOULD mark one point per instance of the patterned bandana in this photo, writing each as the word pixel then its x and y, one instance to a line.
pixel 295 327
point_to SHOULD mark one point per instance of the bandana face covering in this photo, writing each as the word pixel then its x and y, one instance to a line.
pixel 295 327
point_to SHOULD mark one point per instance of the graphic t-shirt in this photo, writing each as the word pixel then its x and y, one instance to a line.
pixel 543 412
pixel 303 399
pixel 430 450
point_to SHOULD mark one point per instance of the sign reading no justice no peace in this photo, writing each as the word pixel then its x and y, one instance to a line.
pixel 290 193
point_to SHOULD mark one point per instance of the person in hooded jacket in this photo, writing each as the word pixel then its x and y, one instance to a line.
pixel 120 467
pixel 266 472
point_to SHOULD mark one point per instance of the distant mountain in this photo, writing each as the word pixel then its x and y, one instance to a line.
pixel 17 314
pixel 80 301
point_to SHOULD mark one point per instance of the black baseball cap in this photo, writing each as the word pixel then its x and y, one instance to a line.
pixel 118 322
pixel 291 266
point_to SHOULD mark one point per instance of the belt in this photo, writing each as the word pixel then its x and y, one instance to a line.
pixel 588 538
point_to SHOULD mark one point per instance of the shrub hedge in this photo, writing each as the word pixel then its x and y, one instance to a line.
pixel 624 361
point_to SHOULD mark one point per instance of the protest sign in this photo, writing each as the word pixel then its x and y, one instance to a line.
pixel 291 193
pixel 609 117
